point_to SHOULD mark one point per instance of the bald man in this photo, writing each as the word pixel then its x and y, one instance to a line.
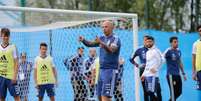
pixel 109 57
pixel 88 74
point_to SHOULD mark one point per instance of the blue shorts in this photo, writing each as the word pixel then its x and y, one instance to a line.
pixel 7 84
pixel 106 82
pixel 49 88
pixel 199 79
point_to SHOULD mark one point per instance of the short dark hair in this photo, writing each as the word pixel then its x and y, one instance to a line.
pixel 150 38
pixel 145 36
pixel 173 38
pixel 80 48
pixel 198 27
pixel 5 31
pixel 43 44
pixel 23 54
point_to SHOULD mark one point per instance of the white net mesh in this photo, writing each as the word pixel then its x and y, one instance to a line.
pixel 61 31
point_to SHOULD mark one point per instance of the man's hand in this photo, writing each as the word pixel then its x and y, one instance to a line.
pixel 185 78
pixel 153 70
pixel 194 76
pixel 98 40
pixel 136 65
pixel 87 78
pixel 14 81
pixel 141 65
pixel 142 78
pixel 81 38
pixel 92 83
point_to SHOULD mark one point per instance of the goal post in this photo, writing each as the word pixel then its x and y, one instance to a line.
pixel 136 70
pixel 57 27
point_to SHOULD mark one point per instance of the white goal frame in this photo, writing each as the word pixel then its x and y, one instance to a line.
pixel 79 12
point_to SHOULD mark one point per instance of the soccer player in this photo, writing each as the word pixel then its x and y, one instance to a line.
pixel 8 67
pixel 118 90
pixel 150 75
pixel 196 58
pixel 24 73
pixel 88 67
pixel 45 75
pixel 141 53
pixel 109 59
pixel 174 65
pixel 95 71
pixel 75 65
pixel 1 36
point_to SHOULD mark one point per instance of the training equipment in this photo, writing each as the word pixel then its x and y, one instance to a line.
pixel 60 29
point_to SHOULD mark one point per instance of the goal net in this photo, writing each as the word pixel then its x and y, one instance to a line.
pixel 60 29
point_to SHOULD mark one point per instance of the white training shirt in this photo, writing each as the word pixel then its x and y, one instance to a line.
pixel 154 59
pixel 15 55
pixel 53 65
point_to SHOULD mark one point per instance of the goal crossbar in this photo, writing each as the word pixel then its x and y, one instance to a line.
pixel 57 25
pixel 79 12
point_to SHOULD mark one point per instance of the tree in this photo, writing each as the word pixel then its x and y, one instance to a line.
pixel 168 15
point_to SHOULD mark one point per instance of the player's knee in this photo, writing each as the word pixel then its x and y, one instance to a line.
pixel 40 99
pixel 52 98
pixel 17 98
pixel 106 98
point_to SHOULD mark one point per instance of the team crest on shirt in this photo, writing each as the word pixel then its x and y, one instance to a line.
pixel 173 56
pixel 108 42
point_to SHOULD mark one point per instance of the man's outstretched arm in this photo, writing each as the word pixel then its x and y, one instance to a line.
pixel 88 43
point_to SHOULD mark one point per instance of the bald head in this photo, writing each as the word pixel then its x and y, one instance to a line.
pixel 107 27
pixel 108 22
pixel 23 57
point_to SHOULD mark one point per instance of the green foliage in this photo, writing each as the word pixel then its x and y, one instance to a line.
pixel 155 14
